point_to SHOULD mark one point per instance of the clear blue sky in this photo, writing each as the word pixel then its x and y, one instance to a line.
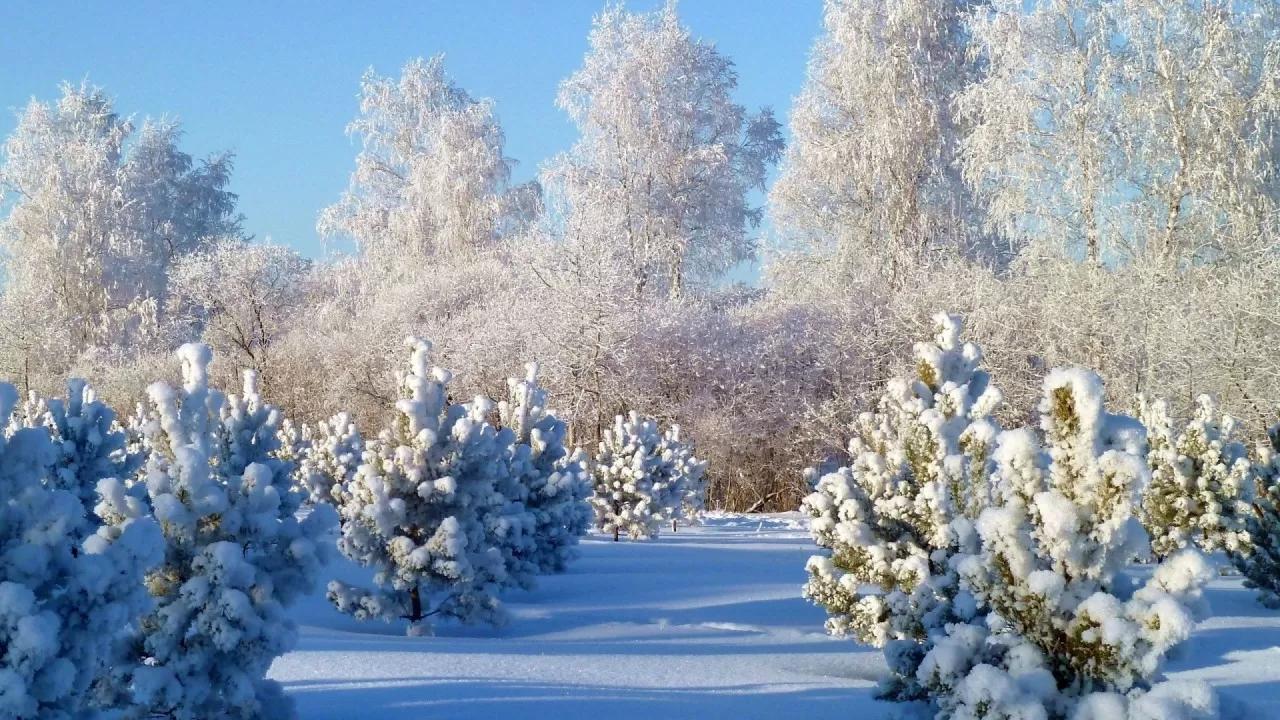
pixel 276 82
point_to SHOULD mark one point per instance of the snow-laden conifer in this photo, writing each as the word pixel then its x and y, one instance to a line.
pixel 636 491
pixel 894 518
pixel 88 444
pixel 416 509
pixel 1260 565
pixel 62 601
pixel 687 471
pixel 330 455
pixel 236 554
pixel 555 481
pixel 1201 477
pixel 1064 635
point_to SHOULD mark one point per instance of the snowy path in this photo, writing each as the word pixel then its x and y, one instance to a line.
pixel 705 624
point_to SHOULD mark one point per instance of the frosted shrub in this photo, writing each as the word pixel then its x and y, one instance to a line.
pixel 235 557
pixel 1063 632
pixel 893 519
pixel 62 601
pixel 1200 480
pixel 554 482
pixel 636 491
pixel 417 508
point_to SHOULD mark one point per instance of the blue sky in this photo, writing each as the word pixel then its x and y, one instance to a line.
pixel 276 82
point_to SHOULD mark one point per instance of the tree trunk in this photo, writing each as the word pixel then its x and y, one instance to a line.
pixel 415 605
pixel 615 534
pixel 673 526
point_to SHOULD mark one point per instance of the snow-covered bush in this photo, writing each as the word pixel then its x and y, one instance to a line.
pixel 1065 635
pixel 1261 564
pixel 236 555
pixel 1201 478
pixel 554 481
pixel 688 472
pixel 62 601
pixel 893 520
pixel 416 509
pixel 636 490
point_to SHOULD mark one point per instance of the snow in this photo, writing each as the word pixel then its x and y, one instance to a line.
pixel 704 623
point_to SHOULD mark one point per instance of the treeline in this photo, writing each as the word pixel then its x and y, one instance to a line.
pixel 1086 181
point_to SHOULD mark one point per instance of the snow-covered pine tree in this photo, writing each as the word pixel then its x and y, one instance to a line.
pixel 89 445
pixel 1063 632
pixel 61 601
pixel 330 455
pixel 894 518
pixel 508 525
pixel 1201 478
pixel 1261 564
pixel 688 472
pixel 415 510
pixel 555 481
pixel 636 491
pixel 236 555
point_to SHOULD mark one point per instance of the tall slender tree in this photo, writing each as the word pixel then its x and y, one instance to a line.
pixel 869 178
pixel 658 182
pixel 430 179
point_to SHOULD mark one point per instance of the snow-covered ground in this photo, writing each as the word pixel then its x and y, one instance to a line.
pixel 707 623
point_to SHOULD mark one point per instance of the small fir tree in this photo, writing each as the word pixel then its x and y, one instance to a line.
pixel 554 480
pixel 1260 565
pixel 416 509
pixel 236 554
pixel 62 601
pixel 688 472
pixel 330 455
pixel 1064 634
pixel 893 519
pixel 1201 478
pixel 636 489
pixel 89 445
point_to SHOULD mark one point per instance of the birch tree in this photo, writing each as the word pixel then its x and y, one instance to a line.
pixel 658 180
pixel 430 179
pixel 869 175
pixel 95 211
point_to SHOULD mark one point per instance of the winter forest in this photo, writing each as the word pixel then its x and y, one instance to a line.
pixel 994 432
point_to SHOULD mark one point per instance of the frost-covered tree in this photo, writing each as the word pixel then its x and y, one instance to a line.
pixel 636 489
pixel 554 480
pixel 239 298
pixel 658 181
pixel 869 177
pixel 236 554
pixel 1201 479
pixel 417 508
pixel 1042 146
pixel 1118 129
pixel 893 520
pixel 95 210
pixel 1064 634
pixel 687 472
pixel 1199 126
pixel 430 179
pixel 66 588
pixel 1261 564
